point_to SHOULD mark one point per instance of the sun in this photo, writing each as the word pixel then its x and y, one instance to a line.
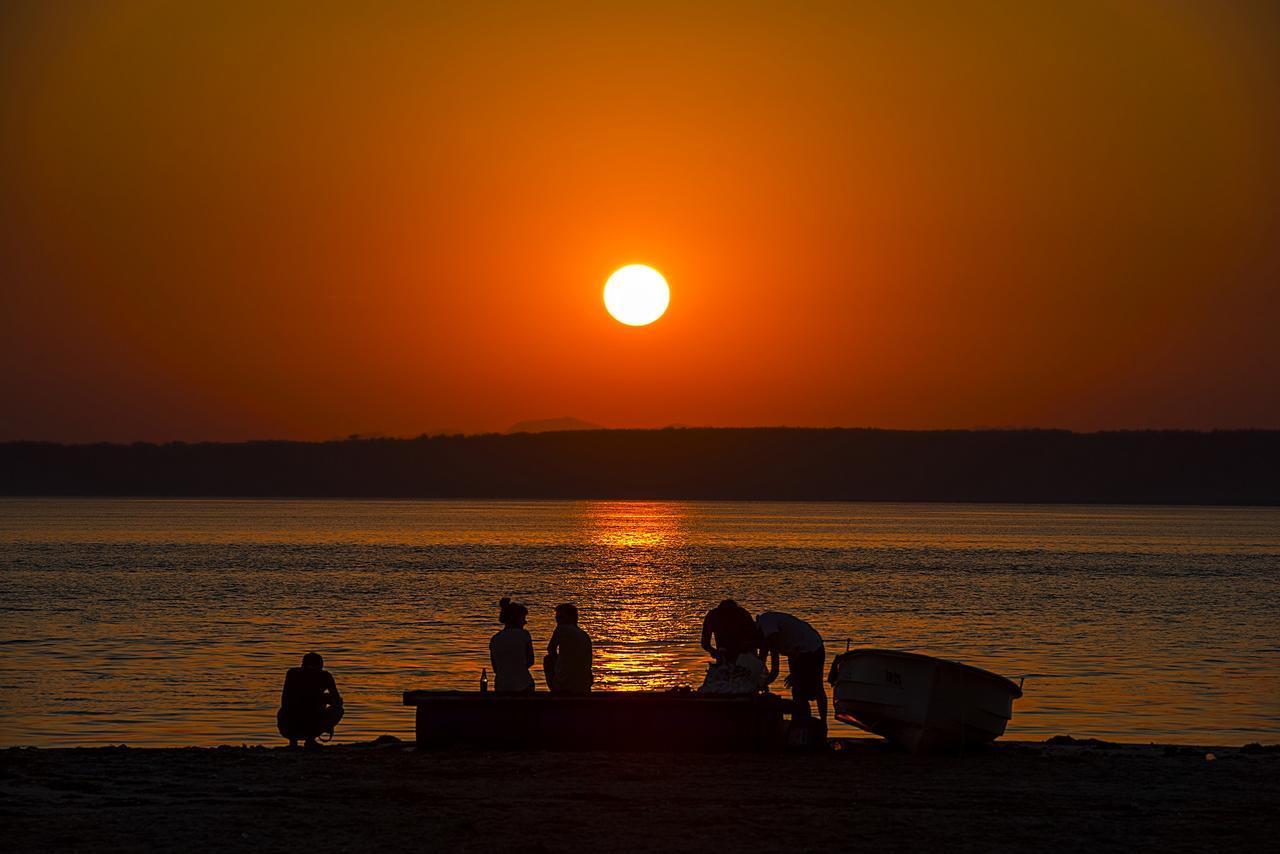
pixel 636 295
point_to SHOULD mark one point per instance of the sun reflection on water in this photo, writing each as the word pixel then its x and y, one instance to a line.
pixel 646 524
pixel 640 590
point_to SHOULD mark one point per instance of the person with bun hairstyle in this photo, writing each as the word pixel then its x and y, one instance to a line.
pixel 511 650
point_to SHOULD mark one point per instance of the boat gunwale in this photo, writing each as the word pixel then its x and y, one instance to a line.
pixel 1012 686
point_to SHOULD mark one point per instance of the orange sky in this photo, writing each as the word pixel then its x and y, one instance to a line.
pixel 310 220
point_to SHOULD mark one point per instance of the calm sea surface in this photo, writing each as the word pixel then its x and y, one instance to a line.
pixel 172 622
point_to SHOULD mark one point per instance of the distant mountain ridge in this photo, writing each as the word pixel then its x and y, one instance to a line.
pixel 789 464
pixel 552 425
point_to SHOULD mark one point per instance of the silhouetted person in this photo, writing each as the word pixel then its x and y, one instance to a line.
pixel 310 703
pixel 734 632
pixel 568 662
pixel 511 650
pixel 806 656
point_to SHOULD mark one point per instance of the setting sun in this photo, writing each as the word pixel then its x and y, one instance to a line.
pixel 636 295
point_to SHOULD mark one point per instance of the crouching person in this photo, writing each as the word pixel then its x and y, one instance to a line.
pixel 310 703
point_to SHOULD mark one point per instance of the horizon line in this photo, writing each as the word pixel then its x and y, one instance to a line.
pixel 446 434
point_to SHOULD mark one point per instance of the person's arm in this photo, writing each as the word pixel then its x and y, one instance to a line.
pixel 335 699
pixel 773 663
pixel 528 651
pixel 493 662
pixel 284 692
pixel 555 640
pixel 706 635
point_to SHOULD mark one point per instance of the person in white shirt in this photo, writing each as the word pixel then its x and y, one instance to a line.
pixel 806 656
pixel 511 650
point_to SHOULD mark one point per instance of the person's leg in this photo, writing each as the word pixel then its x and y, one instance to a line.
pixel 287 728
pixel 802 705
pixel 332 715
pixel 799 687
pixel 309 726
pixel 821 688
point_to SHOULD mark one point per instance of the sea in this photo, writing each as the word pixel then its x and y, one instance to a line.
pixel 172 622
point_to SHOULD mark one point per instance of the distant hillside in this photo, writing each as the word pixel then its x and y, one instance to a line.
pixel 1171 467
pixel 552 425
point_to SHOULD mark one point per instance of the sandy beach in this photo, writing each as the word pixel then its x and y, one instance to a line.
pixel 1012 796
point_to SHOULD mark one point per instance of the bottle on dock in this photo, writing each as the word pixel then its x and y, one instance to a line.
pixel 484 680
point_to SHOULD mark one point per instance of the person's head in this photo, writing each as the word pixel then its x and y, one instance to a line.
pixel 727 605
pixel 313 661
pixel 567 613
pixel 512 614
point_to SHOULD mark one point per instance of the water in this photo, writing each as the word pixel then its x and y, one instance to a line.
pixel 172 622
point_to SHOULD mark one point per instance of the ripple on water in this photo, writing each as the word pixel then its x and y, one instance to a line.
pixel 171 622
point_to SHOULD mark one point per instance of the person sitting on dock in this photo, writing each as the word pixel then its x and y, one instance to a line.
pixel 806 657
pixel 568 662
pixel 511 650
pixel 733 629
pixel 310 703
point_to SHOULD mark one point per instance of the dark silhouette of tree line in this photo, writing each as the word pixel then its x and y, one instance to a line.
pixel 1158 467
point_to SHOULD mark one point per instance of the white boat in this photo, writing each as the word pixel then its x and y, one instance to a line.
pixel 920 702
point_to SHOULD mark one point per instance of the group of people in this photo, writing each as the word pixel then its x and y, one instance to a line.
pixel 566 666
pixel 729 632
pixel 311 706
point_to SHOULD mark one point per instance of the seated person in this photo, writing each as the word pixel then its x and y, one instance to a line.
pixel 806 656
pixel 310 703
pixel 568 662
pixel 733 629
pixel 511 650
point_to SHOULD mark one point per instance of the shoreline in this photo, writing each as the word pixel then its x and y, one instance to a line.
pixel 1081 794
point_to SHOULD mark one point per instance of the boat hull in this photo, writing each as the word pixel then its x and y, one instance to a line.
pixel 920 702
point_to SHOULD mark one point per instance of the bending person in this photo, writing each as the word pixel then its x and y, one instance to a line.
pixel 731 627
pixel 568 662
pixel 310 703
pixel 511 650
pixel 806 657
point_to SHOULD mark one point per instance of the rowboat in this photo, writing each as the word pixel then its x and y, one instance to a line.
pixel 920 702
